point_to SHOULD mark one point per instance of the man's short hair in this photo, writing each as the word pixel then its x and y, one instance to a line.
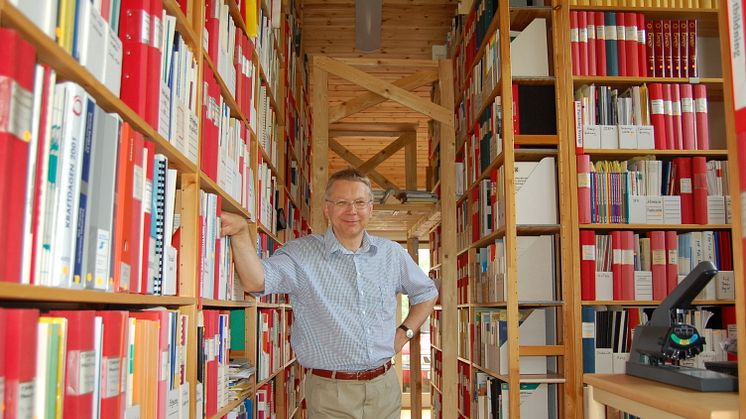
pixel 350 174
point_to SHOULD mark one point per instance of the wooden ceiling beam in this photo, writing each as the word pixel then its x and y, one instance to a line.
pixel 387 152
pixel 385 89
pixel 414 208
pixel 363 129
pixel 389 62
pixel 355 161
pixel 367 100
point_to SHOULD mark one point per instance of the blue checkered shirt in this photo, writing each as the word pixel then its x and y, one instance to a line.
pixel 344 303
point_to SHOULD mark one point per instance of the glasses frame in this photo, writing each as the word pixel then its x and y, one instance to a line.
pixel 359 204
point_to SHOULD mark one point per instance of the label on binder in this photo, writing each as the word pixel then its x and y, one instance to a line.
pixel 659 257
pixel 657 107
pixel 673 256
pixel 112 376
pixel 589 252
pixel 700 105
pixel 589 330
pixel 584 180
pixel 26 399
pixel 686 185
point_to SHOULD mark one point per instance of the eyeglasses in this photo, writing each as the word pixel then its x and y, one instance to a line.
pixel 358 203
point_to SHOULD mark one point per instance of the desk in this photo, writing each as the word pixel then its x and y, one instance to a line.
pixel 651 399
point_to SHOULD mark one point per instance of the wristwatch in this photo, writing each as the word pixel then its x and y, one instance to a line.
pixel 409 333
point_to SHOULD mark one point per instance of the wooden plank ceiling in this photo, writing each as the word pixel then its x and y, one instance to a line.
pixel 409 29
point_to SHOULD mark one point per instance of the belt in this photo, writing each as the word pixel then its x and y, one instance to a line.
pixel 353 375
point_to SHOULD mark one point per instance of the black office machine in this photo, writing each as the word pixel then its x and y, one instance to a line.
pixel 665 338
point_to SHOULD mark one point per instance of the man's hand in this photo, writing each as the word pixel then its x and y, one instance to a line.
pixel 233 224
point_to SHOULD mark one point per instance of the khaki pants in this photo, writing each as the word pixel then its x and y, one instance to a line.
pixel 379 398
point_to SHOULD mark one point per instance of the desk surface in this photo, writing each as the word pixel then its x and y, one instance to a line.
pixel 666 398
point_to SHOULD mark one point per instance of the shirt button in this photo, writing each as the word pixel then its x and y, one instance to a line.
pixel 363 312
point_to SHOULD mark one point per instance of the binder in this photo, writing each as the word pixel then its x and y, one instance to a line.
pixel 699 92
pixel 658 115
pixel 642 58
pixel 688 129
pixel 601 59
pixel 672 263
pixel 79 374
pixel 621 42
pixel 584 188
pixel 20 340
pixel 699 189
pixel 659 264
pixel 114 362
pixel 630 44
pixel 588 264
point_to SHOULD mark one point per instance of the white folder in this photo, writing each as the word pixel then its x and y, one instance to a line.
pixel 536 192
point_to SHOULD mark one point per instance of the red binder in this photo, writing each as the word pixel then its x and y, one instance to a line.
pixel 588 265
pixel 617 248
pixel 684 176
pixel 630 44
pixel 590 18
pixel 658 115
pixel 650 49
pixel 583 42
pixel 672 260
pixel 676 117
pixel 574 42
pixel 668 119
pixel 600 43
pixel 699 189
pixel 152 105
pixel 80 343
pixel 688 128
pixel 17 65
pixel 667 48
pixel 135 37
pixel 628 265
pixel 700 114
pixel 642 57
pixel 658 263
pixel 20 360
pixel 114 353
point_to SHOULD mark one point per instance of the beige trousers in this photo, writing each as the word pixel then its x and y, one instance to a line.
pixel 379 398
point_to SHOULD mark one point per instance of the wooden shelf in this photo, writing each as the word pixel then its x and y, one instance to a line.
pixel 597 153
pixel 20 292
pixel 536 140
pixel 520 17
pixel 714 84
pixel 269 232
pixel 260 304
pixel 226 94
pixel 677 227
pixel 207 302
pixel 67 68
pixel 227 202
pixel 653 303
pixel 232 405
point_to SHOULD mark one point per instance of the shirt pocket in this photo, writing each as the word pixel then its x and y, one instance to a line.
pixel 387 293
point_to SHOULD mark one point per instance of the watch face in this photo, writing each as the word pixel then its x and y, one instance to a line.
pixel 410 333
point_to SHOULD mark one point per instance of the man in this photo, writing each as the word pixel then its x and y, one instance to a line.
pixel 343 287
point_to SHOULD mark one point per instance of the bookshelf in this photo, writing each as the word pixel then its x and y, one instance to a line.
pixel 733 64
pixel 711 39
pixel 254 99
pixel 492 145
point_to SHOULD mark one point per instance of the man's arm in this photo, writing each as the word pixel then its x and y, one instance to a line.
pixel 417 315
pixel 248 265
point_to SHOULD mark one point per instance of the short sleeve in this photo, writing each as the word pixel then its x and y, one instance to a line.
pixel 418 286
pixel 280 273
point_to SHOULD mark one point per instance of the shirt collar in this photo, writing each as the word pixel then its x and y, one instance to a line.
pixel 331 244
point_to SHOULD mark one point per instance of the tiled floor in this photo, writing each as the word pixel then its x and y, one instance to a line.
pixel 405 414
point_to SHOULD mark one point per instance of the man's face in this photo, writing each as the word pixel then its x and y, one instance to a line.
pixel 348 208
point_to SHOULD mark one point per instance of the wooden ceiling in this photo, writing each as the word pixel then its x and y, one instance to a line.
pixel 409 29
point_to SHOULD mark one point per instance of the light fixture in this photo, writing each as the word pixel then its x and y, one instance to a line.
pixel 368 25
